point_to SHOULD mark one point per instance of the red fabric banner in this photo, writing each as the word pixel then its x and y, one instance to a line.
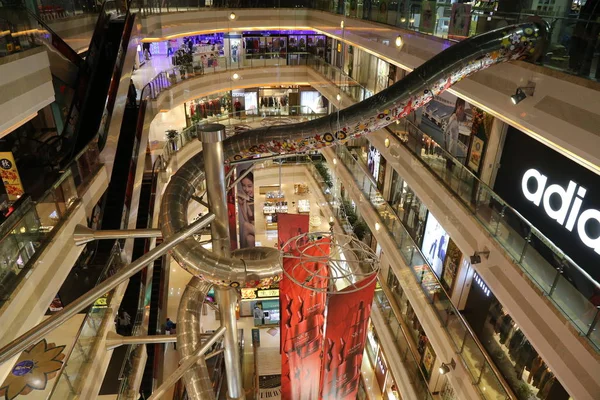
pixel 347 321
pixel 302 320
pixel 289 226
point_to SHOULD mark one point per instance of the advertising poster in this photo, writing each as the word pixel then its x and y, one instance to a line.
pixel 10 176
pixel 428 13
pixel 428 360
pixel 460 20
pixel 476 154
pixel 347 325
pixel 453 257
pixel 435 243
pixel 302 322
pixel 245 204
pixel 448 120
pixel 233 242
pixel 289 226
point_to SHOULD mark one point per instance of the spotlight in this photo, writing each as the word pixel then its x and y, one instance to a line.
pixel 232 16
pixel 522 93
pixel 342 24
pixel 386 142
pixel 235 76
pixel 412 20
pixel 476 258
pixel 335 161
pixel 518 96
pixel 338 97
pixel 377 226
pixel 403 20
pixel 399 41
pixel 445 368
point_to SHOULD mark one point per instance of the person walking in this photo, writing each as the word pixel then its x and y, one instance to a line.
pixel 123 323
pixel 171 329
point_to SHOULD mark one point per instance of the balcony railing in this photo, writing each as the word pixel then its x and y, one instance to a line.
pixel 565 283
pixel 24 237
pixel 485 376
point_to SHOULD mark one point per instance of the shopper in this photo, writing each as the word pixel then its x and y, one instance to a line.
pixel 169 48
pixel 169 325
pixel 123 323
pixel 132 94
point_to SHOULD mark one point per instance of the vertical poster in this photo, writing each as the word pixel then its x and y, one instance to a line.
pixel 460 19
pixel 428 13
pixel 289 226
pixel 347 324
pixel 10 176
pixel 435 243
pixel 245 202
pixel 480 133
pixel 233 242
pixel 302 322
pixel 428 360
pixel 453 257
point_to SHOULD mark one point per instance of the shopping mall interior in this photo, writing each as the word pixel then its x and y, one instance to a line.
pixel 309 199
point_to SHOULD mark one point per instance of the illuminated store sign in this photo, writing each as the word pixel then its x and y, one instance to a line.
pixel 556 195
pixel 544 194
pixel 481 284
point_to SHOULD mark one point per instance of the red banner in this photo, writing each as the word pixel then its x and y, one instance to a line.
pixel 302 322
pixel 347 320
pixel 289 226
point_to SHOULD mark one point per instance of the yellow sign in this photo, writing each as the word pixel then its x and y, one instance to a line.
pixel 248 294
pixel 10 176
pixel 268 293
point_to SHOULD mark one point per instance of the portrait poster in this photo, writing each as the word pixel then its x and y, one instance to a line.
pixel 460 20
pixel 245 205
pixel 10 176
pixel 428 14
pixel 428 360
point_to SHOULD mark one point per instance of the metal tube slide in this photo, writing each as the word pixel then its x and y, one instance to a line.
pixel 251 267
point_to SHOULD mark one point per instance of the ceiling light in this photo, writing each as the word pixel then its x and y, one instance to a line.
pixel 377 226
pixel 386 142
pixel 412 21
pixel 342 24
pixel 403 20
pixel 235 76
pixel 232 16
pixel 334 161
pixel 399 41
pixel 338 97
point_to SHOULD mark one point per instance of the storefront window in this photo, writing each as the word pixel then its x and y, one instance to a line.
pixel 524 369
pixel 408 207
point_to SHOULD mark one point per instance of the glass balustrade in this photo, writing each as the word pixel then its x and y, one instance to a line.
pixel 25 233
pixel 484 374
pixel 565 283
pixel 81 354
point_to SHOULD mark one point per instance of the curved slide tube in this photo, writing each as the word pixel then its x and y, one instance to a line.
pixel 260 265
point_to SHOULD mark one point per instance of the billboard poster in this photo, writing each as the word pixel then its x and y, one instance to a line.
pixel 435 243
pixel 347 325
pixel 460 20
pixel 233 242
pixel 453 257
pixel 245 204
pixel 302 322
pixel 289 226
pixel 428 13
pixel 10 176
pixel 449 121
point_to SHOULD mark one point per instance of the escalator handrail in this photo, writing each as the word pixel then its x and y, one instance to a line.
pixel 57 41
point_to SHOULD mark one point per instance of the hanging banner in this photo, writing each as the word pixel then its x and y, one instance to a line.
pixel 245 200
pixel 460 19
pixel 231 211
pixel 428 13
pixel 289 226
pixel 10 176
pixel 347 324
pixel 302 322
